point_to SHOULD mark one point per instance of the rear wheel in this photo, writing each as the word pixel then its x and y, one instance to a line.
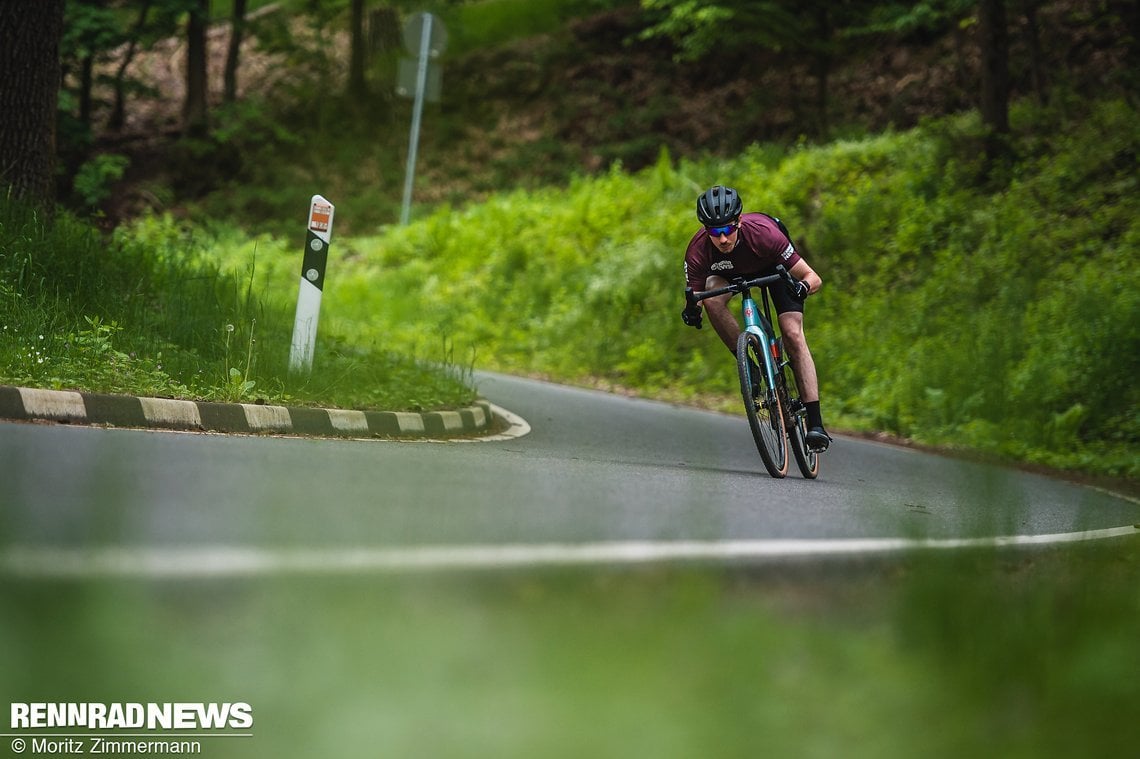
pixel 764 409
pixel 796 422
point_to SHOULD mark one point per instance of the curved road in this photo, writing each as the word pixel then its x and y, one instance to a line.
pixel 595 469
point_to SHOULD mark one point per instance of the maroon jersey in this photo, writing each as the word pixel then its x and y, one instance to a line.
pixel 760 246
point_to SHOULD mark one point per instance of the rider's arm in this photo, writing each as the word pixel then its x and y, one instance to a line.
pixel 803 272
pixel 696 263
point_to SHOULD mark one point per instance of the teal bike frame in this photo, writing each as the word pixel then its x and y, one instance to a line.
pixel 756 322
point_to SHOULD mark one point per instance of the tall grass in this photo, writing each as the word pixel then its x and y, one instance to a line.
pixel 147 311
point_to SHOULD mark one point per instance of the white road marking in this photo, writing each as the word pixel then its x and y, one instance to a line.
pixel 236 561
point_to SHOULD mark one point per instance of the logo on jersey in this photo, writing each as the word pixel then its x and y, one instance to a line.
pixel 721 265
pixel 788 251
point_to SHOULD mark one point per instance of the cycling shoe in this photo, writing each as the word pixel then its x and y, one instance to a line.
pixel 817 440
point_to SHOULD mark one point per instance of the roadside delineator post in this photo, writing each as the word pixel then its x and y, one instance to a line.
pixel 319 233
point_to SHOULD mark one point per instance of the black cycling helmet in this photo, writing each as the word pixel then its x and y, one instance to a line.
pixel 719 205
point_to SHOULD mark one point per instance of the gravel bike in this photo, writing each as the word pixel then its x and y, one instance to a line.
pixel 776 415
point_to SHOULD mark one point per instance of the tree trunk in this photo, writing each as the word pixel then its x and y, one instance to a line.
pixel 30 31
pixel 1131 18
pixel 383 30
pixel 195 110
pixel 233 55
pixel 994 44
pixel 86 80
pixel 822 69
pixel 356 84
pixel 119 110
pixel 1036 64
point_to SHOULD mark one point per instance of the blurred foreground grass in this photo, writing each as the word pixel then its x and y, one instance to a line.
pixel 1010 654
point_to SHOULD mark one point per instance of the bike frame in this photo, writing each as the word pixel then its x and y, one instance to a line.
pixel 756 321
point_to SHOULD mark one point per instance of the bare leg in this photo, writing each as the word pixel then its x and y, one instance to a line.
pixel 792 327
pixel 722 319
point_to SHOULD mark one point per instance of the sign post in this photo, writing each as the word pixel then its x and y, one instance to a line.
pixel 319 233
pixel 425 38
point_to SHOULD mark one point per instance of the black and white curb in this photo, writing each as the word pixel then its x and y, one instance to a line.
pixel 70 406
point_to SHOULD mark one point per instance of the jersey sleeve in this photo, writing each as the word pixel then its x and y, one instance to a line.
pixel 771 245
pixel 696 264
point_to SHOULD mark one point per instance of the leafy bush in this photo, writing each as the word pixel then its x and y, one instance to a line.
pixel 990 311
pixel 95 177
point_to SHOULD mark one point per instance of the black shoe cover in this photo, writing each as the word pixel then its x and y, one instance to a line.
pixel 817 439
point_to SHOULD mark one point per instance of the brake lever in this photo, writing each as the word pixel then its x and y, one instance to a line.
pixel 789 280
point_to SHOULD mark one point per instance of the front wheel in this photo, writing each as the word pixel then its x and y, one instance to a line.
pixel 764 409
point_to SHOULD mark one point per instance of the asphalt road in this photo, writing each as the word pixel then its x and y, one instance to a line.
pixel 595 468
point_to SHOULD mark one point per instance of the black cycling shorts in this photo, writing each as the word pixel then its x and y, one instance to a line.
pixel 781 297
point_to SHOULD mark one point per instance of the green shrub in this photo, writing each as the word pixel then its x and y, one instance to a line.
pixel 956 309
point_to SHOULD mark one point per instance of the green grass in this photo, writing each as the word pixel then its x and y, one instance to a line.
pixel 981 654
pixel 147 313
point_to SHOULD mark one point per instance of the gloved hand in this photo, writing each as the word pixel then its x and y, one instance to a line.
pixel 691 315
pixel 800 290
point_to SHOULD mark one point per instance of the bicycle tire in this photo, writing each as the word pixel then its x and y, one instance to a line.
pixel 765 412
pixel 795 422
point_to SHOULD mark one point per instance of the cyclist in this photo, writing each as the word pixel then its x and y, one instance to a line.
pixel 732 245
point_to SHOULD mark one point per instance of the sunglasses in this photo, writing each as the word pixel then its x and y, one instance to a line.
pixel 718 231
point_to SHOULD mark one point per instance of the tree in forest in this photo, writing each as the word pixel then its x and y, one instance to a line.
pixel 30 33
pixel 993 93
pixel 814 31
pixel 356 84
pixel 1036 55
pixel 118 115
pixel 233 54
pixel 90 31
pixel 994 47
pixel 195 109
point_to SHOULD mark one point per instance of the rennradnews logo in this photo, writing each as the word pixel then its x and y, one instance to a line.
pixel 132 716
